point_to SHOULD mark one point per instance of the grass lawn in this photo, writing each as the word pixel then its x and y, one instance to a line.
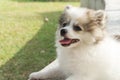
pixel 26 40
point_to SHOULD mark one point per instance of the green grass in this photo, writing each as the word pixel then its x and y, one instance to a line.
pixel 44 0
pixel 27 42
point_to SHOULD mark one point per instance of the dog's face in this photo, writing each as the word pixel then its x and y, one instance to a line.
pixel 80 26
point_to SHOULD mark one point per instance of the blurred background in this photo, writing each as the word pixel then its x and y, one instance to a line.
pixel 48 0
pixel 27 34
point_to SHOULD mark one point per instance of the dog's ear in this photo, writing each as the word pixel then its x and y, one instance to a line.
pixel 97 20
pixel 63 17
pixel 97 17
pixel 68 7
pixel 100 16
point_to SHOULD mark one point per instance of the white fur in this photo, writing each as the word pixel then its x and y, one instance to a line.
pixel 101 62
pixel 83 60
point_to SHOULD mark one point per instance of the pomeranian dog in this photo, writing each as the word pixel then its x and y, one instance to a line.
pixel 85 51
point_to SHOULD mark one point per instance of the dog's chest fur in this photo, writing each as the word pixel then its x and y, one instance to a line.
pixel 79 60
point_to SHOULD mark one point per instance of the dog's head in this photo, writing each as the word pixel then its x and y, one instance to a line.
pixel 78 26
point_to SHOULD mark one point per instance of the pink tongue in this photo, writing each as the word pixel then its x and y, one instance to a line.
pixel 65 41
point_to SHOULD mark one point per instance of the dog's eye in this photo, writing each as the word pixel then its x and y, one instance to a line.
pixel 64 24
pixel 77 28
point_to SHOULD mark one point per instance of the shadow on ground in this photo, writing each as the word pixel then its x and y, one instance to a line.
pixel 35 54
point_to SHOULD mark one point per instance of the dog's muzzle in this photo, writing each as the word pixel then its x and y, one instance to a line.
pixel 66 41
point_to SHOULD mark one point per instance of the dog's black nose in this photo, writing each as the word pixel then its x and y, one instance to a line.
pixel 63 32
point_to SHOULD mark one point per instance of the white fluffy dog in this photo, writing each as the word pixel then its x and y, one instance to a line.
pixel 85 51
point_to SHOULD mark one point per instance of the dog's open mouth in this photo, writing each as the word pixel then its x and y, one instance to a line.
pixel 66 41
